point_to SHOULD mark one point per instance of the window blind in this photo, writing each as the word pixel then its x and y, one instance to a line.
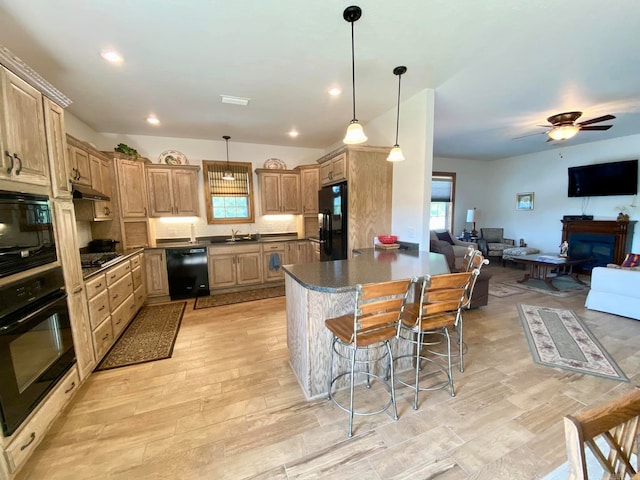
pixel 228 188
pixel 441 190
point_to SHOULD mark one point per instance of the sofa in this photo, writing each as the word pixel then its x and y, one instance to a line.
pixel 459 247
pixel 615 290
pixel 480 295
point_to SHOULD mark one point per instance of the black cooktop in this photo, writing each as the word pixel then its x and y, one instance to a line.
pixel 90 260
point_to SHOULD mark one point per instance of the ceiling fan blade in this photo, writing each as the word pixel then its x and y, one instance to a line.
pixel 597 119
pixel 528 135
pixel 597 127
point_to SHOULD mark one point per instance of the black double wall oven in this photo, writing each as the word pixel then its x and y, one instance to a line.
pixel 36 345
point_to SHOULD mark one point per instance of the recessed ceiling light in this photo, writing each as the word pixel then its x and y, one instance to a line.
pixel 293 133
pixel 235 100
pixel 335 91
pixel 111 56
pixel 153 120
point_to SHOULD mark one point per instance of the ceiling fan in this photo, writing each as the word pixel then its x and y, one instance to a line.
pixel 564 125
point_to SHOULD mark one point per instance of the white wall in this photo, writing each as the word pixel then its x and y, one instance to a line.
pixel 472 178
pixel 411 178
pixel 544 174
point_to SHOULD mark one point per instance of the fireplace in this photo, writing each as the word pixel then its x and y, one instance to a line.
pixel 603 241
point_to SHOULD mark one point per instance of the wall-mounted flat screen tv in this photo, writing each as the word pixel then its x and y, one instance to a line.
pixel 615 178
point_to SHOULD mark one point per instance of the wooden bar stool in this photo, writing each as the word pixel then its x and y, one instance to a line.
pixel 442 298
pixel 362 339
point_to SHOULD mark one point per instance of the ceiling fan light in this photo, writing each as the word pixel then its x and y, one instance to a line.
pixel 395 155
pixel 355 134
pixel 564 132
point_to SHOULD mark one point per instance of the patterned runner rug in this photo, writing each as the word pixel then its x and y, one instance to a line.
pixel 503 290
pixel 238 297
pixel 150 336
pixel 558 338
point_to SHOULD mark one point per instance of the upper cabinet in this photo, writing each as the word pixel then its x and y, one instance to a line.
pixel 333 169
pixel 173 191
pixel 133 196
pixel 79 165
pixel 279 191
pixel 101 180
pixel 57 149
pixel 309 186
pixel 22 134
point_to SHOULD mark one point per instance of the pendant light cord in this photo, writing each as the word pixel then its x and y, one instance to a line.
pixel 398 114
pixel 353 72
pixel 227 142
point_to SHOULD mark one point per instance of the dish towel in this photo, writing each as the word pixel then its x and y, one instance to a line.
pixel 274 262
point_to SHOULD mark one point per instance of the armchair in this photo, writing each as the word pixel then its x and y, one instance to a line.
pixel 492 242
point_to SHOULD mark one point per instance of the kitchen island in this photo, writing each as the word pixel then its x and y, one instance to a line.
pixel 317 291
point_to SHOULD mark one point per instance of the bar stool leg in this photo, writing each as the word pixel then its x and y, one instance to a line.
pixel 460 343
pixel 449 365
pixel 331 346
pixel 391 381
pixel 353 365
pixel 419 337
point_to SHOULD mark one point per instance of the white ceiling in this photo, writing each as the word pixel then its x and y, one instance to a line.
pixel 498 67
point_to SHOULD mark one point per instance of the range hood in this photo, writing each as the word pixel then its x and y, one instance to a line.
pixel 82 192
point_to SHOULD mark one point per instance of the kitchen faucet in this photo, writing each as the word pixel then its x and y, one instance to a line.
pixel 234 233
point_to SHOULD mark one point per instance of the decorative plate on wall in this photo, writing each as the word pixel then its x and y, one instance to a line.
pixel 275 164
pixel 173 157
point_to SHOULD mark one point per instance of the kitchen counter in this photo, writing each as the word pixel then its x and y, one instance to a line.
pixel 217 241
pixel 91 271
pixel 317 291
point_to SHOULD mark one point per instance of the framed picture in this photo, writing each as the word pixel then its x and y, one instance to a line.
pixel 524 201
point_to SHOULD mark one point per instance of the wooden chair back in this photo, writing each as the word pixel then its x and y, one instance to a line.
pixel 378 308
pixel 468 257
pixel 617 422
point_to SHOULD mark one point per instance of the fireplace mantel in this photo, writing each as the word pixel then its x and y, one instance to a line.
pixel 622 231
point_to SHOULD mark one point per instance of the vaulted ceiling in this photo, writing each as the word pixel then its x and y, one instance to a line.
pixel 499 68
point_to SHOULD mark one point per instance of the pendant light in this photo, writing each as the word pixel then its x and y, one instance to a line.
pixel 355 134
pixel 396 154
pixel 228 174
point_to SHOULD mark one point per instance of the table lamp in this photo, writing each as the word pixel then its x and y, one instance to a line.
pixel 471 218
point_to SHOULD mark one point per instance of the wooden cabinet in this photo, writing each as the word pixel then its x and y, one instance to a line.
pixel 22 132
pixel 57 149
pixel 155 261
pixel 67 244
pixel 279 192
pixel 298 252
pixel 309 186
pixel 172 191
pixel 79 164
pixel 333 169
pixel 370 181
pixel 315 252
pixel 101 180
pixel 236 265
pixel 131 187
pixel 268 249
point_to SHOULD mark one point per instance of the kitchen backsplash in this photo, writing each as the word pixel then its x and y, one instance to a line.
pixel 279 224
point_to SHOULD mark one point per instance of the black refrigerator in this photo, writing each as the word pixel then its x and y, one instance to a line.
pixel 332 216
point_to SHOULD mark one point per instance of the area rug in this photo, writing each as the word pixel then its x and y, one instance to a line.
pixel 558 338
pixel 238 297
pixel 566 286
pixel 503 290
pixel 150 336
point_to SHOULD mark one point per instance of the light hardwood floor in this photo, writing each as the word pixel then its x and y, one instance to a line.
pixel 227 406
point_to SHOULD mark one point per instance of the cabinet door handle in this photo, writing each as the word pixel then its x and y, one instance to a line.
pixel 6 152
pixel 105 337
pixel 101 308
pixel 32 437
pixel 71 387
pixel 145 211
pixel 77 290
pixel 19 169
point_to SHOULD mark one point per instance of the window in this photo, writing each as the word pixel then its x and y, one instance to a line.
pixel 228 201
pixel 443 187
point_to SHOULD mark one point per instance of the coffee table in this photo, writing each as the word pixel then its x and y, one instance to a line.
pixel 547 266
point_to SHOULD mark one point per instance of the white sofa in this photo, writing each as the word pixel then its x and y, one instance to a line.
pixel 615 290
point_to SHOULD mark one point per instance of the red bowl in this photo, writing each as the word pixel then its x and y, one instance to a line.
pixel 388 239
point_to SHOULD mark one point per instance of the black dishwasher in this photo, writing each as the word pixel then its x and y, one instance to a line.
pixel 188 273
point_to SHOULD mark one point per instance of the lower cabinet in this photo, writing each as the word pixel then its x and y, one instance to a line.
pixel 231 266
pixel 113 302
pixel 298 252
pixel 31 433
pixel 155 261
pixel 271 273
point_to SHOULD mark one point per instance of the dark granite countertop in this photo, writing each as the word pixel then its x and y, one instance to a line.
pixel 223 241
pixel 92 271
pixel 369 266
